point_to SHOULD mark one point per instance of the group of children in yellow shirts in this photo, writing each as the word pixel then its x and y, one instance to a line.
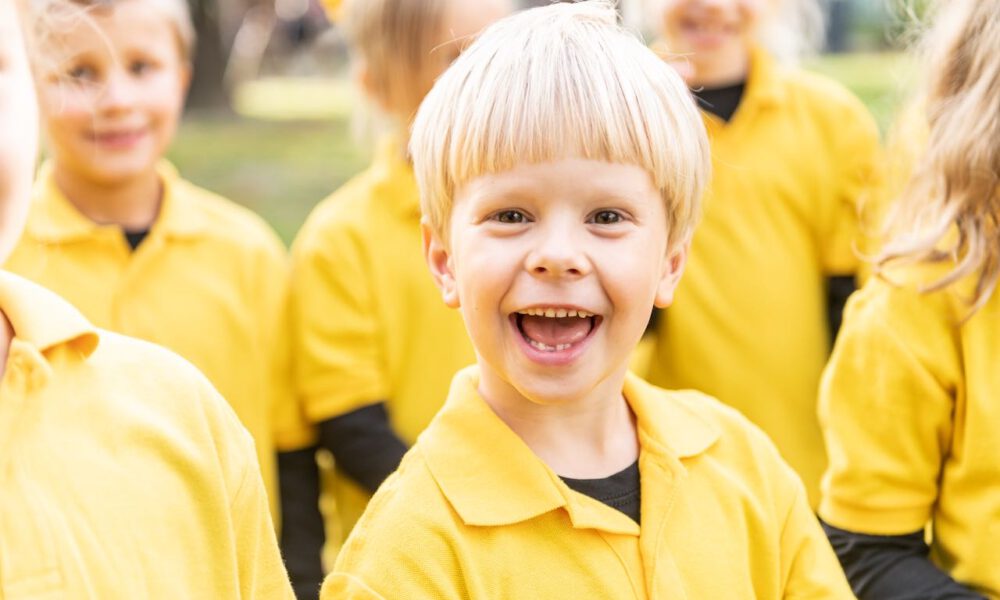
pixel 557 177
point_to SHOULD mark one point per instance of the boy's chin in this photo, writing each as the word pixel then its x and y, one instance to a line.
pixel 113 173
pixel 563 389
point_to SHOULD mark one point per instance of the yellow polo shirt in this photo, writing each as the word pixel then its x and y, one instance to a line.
pixel 123 473
pixel 209 282
pixel 369 324
pixel 473 513
pixel 749 323
pixel 912 423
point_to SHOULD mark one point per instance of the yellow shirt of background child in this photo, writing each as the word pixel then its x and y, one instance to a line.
pixel 208 282
pixel 368 323
pixel 781 215
pixel 909 409
pixel 123 474
pixel 494 521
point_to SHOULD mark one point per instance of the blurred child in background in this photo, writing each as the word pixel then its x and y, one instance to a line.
pixel 115 229
pixel 560 165
pixel 123 473
pixel 374 347
pixel 909 401
pixel 774 257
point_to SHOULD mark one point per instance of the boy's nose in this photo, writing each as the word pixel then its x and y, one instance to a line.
pixel 557 255
pixel 117 94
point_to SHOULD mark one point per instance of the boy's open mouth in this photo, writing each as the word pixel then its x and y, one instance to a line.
pixel 554 329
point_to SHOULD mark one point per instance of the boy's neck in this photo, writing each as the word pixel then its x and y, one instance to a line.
pixel 720 70
pixel 591 438
pixel 133 203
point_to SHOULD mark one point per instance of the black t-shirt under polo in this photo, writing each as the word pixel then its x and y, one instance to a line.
pixel 619 491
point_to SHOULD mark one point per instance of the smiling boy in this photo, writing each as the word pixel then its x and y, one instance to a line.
pixel 560 165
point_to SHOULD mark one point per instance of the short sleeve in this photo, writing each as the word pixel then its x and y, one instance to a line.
pixel 261 570
pixel 885 408
pixel 291 431
pixel 809 566
pixel 339 365
pixel 401 548
pixel 259 565
pixel 856 159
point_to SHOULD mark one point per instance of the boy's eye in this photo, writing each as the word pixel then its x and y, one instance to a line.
pixel 82 73
pixel 607 217
pixel 139 67
pixel 510 216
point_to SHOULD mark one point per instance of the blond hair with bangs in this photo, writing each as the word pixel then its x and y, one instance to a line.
pixel 49 17
pixel 556 82
pixel 949 212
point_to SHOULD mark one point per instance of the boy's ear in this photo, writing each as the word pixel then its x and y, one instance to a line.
pixel 186 73
pixel 673 268
pixel 365 81
pixel 439 260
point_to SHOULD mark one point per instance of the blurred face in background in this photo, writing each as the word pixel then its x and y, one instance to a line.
pixel 112 100
pixel 715 36
pixel 18 128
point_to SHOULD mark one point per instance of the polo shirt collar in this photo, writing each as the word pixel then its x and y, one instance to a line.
pixel 43 319
pixel 497 480
pixel 55 219
pixel 394 182
pixel 764 81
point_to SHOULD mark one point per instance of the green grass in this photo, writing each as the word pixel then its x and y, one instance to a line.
pixel 293 144
pixel 280 169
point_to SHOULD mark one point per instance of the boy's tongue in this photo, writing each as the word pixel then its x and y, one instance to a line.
pixel 555 331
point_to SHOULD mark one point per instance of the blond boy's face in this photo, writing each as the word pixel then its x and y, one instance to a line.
pixel 556 267
pixel 111 103
pixel 18 129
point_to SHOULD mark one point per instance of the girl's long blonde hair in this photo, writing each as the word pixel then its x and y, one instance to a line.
pixel 949 211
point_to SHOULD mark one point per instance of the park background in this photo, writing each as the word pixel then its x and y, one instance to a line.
pixel 274 123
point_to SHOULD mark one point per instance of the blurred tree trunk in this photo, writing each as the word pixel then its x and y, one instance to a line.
pixel 208 91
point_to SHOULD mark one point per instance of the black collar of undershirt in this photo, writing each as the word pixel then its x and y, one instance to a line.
pixel 721 101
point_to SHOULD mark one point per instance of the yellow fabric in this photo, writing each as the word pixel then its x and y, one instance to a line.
pixel 209 282
pixel 473 513
pixel 123 473
pixel 369 324
pixel 749 323
pixel 904 146
pixel 910 413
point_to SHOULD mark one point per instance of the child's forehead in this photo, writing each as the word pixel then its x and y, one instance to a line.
pixel 583 178
pixel 112 27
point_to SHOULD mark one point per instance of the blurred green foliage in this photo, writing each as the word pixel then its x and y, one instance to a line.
pixel 881 80
pixel 279 169
pixel 297 146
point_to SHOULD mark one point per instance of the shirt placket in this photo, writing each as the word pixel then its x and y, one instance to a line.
pixel 134 265
pixel 661 479
pixel 33 569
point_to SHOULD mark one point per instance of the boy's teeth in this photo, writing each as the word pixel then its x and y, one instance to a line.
pixel 555 313
pixel 548 348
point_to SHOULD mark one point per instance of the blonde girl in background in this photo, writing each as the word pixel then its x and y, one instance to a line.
pixel 909 400
pixel 774 256
pixel 118 232
pixel 375 348
pixel 123 473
